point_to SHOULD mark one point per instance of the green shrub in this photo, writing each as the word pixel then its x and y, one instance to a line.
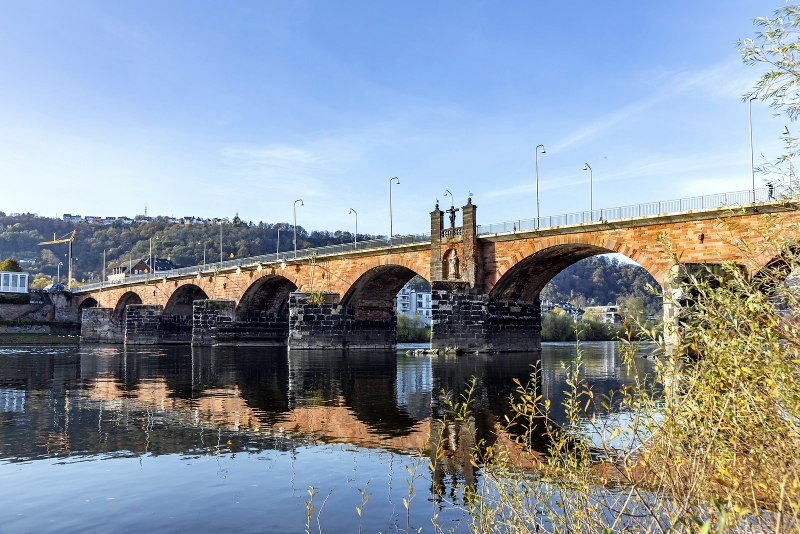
pixel 412 329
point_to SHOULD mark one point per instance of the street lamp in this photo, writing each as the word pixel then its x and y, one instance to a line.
pixel 788 138
pixel 537 181
pixel 586 167
pixel 300 200
pixel 391 229
pixel 221 222
pixel 448 193
pixel 355 239
pixel 750 121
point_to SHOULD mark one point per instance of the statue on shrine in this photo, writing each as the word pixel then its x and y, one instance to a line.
pixel 452 262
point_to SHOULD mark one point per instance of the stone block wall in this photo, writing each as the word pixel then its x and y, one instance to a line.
pixel 142 323
pixel 331 326
pixel 98 326
pixel 175 329
pixel 262 329
pixel 478 323
pixel 207 317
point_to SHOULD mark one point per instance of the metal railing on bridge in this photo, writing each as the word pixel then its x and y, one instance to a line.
pixel 275 257
pixel 664 207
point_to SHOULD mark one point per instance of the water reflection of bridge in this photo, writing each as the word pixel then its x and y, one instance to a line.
pixel 206 400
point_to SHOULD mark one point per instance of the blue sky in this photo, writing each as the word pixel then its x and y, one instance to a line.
pixel 209 108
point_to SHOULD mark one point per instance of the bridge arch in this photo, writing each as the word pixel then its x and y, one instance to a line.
pixel 182 299
pixel 124 301
pixel 267 295
pixel 525 279
pixel 88 302
pixel 372 295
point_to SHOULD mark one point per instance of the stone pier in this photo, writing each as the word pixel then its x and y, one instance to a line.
pixel 98 325
pixel 330 325
pixel 208 317
pixel 142 323
pixel 477 323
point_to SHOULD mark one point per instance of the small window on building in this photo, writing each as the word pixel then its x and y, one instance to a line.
pixel 14 278
pixel 23 281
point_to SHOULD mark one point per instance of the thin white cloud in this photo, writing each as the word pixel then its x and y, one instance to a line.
pixel 723 79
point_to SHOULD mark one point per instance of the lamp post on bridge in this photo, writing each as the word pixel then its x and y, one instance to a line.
pixel 537 181
pixel 750 121
pixel 355 238
pixel 788 139
pixel 391 228
pixel 586 167
pixel 300 200
pixel 221 222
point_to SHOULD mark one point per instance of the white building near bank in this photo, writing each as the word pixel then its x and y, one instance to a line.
pixel 411 301
pixel 13 282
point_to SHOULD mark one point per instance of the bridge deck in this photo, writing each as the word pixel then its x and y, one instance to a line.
pixel 696 208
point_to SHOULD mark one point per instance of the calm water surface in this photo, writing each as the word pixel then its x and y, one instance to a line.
pixel 172 439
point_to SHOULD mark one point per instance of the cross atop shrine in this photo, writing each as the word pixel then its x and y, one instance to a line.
pixel 452 211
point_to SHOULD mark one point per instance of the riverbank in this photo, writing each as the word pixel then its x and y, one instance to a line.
pixel 38 339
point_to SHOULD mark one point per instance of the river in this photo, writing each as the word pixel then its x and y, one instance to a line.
pixel 176 439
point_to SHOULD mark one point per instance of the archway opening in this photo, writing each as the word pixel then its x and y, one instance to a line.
pixel 124 301
pixel 267 298
pixel 524 281
pixel 90 302
pixel 579 284
pixel 372 297
pixel 179 305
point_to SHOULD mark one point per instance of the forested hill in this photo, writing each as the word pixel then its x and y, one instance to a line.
pixel 183 244
pixel 603 280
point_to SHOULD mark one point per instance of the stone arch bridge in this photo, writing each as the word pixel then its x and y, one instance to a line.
pixel 485 281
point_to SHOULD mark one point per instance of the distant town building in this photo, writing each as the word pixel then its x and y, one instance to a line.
pixel 11 282
pixel 548 306
pixel 93 219
pixel 72 218
pixel 140 266
pixel 605 314
pixel 411 302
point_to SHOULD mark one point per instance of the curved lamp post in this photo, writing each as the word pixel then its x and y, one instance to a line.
pixel 750 122
pixel 300 200
pixel 391 228
pixel 221 222
pixel 355 238
pixel 586 167
pixel 537 181
pixel 448 193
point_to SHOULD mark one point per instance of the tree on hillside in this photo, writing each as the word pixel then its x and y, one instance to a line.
pixel 600 281
pixel 10 264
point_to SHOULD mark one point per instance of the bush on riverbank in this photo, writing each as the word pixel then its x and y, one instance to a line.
pixel 559 326
pixel 412 329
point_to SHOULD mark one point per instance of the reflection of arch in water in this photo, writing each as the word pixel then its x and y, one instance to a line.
pixel 124 301
pixel 365 382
